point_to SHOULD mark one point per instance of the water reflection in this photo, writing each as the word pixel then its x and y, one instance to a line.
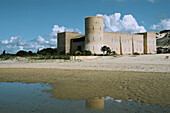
pixel 95 103
pixel 27 98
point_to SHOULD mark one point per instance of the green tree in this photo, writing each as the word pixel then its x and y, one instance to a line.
pixel 104 49
pixel 22 53
pixel 47 51
pixel 4 52
pixel 108 51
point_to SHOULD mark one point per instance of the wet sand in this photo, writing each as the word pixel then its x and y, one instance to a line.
pixel 142 87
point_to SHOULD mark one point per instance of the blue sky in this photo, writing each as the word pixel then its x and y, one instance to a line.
pixel 25 22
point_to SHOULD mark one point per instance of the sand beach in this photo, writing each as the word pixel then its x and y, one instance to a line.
pixel 144 79
pixel 140 63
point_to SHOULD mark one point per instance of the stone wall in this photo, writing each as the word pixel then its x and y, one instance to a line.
pixel 63 41
pixel 123 43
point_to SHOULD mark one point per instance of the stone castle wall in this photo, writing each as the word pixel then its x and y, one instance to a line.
pixel 95 38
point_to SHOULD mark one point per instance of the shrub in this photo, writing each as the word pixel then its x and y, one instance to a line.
pixel 114 52
pixel 136 53
pixel 22 53
pixel 62 53
pixel 78 53
pixel 86 52
pixel 47 51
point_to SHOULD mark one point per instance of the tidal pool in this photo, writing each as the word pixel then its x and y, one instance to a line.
pixel 27 98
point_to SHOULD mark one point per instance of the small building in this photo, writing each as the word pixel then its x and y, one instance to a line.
pixel 95 38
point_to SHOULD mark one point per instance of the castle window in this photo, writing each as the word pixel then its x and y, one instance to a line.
pixel 93 28
pixel 129 49
pixel 93 48
pixel 100 38
pixel 100 28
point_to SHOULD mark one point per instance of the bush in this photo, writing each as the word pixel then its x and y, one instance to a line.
pixel 136 53
pixel 114 52
pixel 47 51
pixel 86 52
pixel 78 53
pixel 62 53
pixel 22 53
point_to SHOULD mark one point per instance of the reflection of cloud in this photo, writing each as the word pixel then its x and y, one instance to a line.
pixel 108 98
pixel 95 103
pixel 119 101
pixel 128 24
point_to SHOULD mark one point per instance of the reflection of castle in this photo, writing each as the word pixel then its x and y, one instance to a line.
pixel 95 103
pixel 95 38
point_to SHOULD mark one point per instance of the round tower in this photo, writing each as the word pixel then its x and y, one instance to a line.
pixel 94 34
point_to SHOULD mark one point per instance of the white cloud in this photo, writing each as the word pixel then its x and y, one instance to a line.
pixel 120 0
pixel 5 42
pixel 152 1
pixel 40 40
pixel 57 29
pixel 128 24
pixel 17 41
pixel 13 45
pixel 163 25
pixel 40 43
pixel 53 41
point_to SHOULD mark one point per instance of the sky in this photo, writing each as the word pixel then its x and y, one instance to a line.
pixel 33 24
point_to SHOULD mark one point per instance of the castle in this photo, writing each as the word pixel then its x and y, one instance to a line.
pixel 95 38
